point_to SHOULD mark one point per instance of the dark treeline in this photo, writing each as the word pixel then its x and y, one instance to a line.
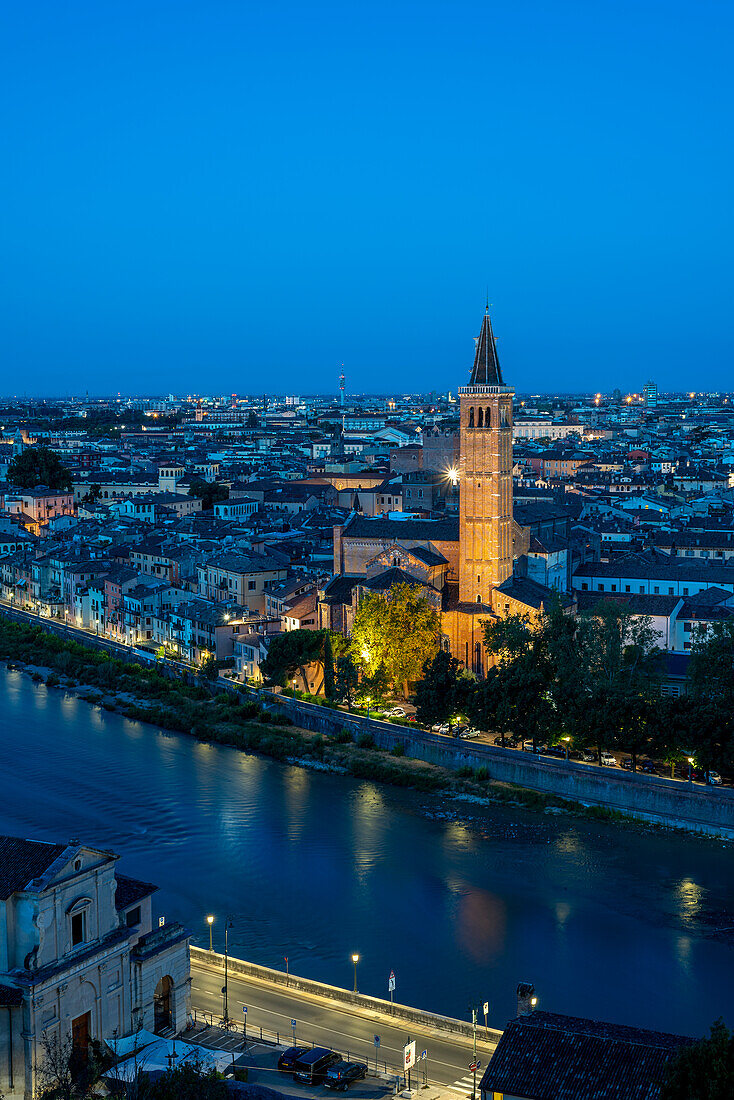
pixel 593 681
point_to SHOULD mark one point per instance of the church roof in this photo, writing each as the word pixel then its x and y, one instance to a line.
pixel 486 370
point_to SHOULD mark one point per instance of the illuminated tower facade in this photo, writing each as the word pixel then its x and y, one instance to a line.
pixel 485 524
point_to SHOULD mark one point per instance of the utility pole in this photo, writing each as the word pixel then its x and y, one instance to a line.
pixel 474 1030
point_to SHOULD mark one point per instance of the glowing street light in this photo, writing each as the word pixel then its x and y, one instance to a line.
pixel 355 960
pixel 210 922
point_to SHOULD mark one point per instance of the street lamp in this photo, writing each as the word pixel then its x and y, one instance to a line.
pixel 225 991
pixel 210 922
pixel 355 960
pixel 294 688
pixel 368 700
pixel 567 739
pixel 690 770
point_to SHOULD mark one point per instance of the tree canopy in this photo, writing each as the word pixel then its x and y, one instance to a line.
pixel 38 466
pixel 292 652
pixel 444 690
pixel 704 1070
pixel 395 633
pixel 208 492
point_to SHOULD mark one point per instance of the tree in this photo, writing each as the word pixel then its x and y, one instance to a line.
pixel 444 689
pixel 63 1072
pixel 38 466
pixel 290 653
pixel 189 1081
pixel 703 1070
pixel 252 421
pixel 93 492
pixel 328 666
pixel 395 631
pixel 346 679
pixel 208 492
pixel 209 669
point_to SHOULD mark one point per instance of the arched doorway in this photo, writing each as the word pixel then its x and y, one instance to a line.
pixel 163 1005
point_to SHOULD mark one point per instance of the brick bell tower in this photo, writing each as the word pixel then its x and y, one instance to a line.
pixel 485 524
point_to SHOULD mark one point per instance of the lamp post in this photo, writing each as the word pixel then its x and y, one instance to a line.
pixel 294 688
pixel 566 740
pixel 355 960
pixel 690 770
pixel 225 991
pixel 368 700
pixel 210 922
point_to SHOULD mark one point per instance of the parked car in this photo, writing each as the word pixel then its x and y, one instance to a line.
pixel 557 751
pixel 440 727
pixel 289 1057
pixel 649 767
pixel 608 759
pixel 627 763
pixel 311 1067
pixel 588 756
pixel 470 731
pixel 713 779
pixel 395 712
pixel 528 747
pixel 340 1076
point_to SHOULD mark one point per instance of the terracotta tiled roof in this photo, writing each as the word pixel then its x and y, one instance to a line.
pixel 130 890
pixel 546 1055
pixel 21 861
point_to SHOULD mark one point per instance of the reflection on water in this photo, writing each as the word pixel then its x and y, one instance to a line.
pixel 460 901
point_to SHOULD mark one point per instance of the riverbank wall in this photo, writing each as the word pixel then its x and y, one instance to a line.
pixel 708 810
pixel 360 1002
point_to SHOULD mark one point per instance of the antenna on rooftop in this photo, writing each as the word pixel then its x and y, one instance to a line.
pixel 342 382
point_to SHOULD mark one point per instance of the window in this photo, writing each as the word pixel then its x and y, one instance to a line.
pixel 642 588
pixel 78 928
pixel 584 587
pixel 626 588
pixel 614 588
pixel 479 599
pixel 670 591
pixel 251 586
pixel 600 587
pixel 132 917
pixel 480 418
pixel 656 589
pixel 471 418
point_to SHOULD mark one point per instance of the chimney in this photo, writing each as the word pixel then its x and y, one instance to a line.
pixel 526 999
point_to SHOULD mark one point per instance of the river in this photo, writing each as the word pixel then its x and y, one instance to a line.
pixel 461 901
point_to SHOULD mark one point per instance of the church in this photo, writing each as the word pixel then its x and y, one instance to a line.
pixel 493 561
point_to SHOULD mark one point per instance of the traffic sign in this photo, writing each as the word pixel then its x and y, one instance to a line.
pixel 391 982
pixel 486 1008
pixel 293 1023
pixel 244 1009
pixel 424 1055
pixel 377 1040
pixel 474 1066
pixel 409 1055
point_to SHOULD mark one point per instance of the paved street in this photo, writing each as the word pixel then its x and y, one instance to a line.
pixel 342 1028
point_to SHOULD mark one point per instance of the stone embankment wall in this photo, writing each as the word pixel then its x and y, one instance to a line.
pixel 669 802
pixel 398 1012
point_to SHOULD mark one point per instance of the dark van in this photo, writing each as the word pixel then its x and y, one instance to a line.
pixel 312 1066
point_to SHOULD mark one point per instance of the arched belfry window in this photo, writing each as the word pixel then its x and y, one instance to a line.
pixel 480 418
pixel 471 417
pixel 488 419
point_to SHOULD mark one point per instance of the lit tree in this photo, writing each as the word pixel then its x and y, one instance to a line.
pixel 395 632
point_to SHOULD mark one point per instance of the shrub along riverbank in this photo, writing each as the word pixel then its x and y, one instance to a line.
pixel 146 694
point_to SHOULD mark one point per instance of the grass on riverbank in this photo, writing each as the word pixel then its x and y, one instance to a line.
pixel 145 694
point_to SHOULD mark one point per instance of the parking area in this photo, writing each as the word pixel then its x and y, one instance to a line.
pixel 260 1059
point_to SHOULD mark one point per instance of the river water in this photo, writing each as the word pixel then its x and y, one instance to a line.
pixel 461 901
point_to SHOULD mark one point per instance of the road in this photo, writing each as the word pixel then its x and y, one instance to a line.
pixel 342 1028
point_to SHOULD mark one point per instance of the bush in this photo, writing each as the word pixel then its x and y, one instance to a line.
pixel 365 741
pixel 397 750
pixel 482 773
pixel 342 736
pixel 465 772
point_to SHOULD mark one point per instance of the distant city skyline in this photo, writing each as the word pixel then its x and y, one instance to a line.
pixel 251 196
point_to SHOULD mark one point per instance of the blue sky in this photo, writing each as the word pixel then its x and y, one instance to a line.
pixel 235 197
